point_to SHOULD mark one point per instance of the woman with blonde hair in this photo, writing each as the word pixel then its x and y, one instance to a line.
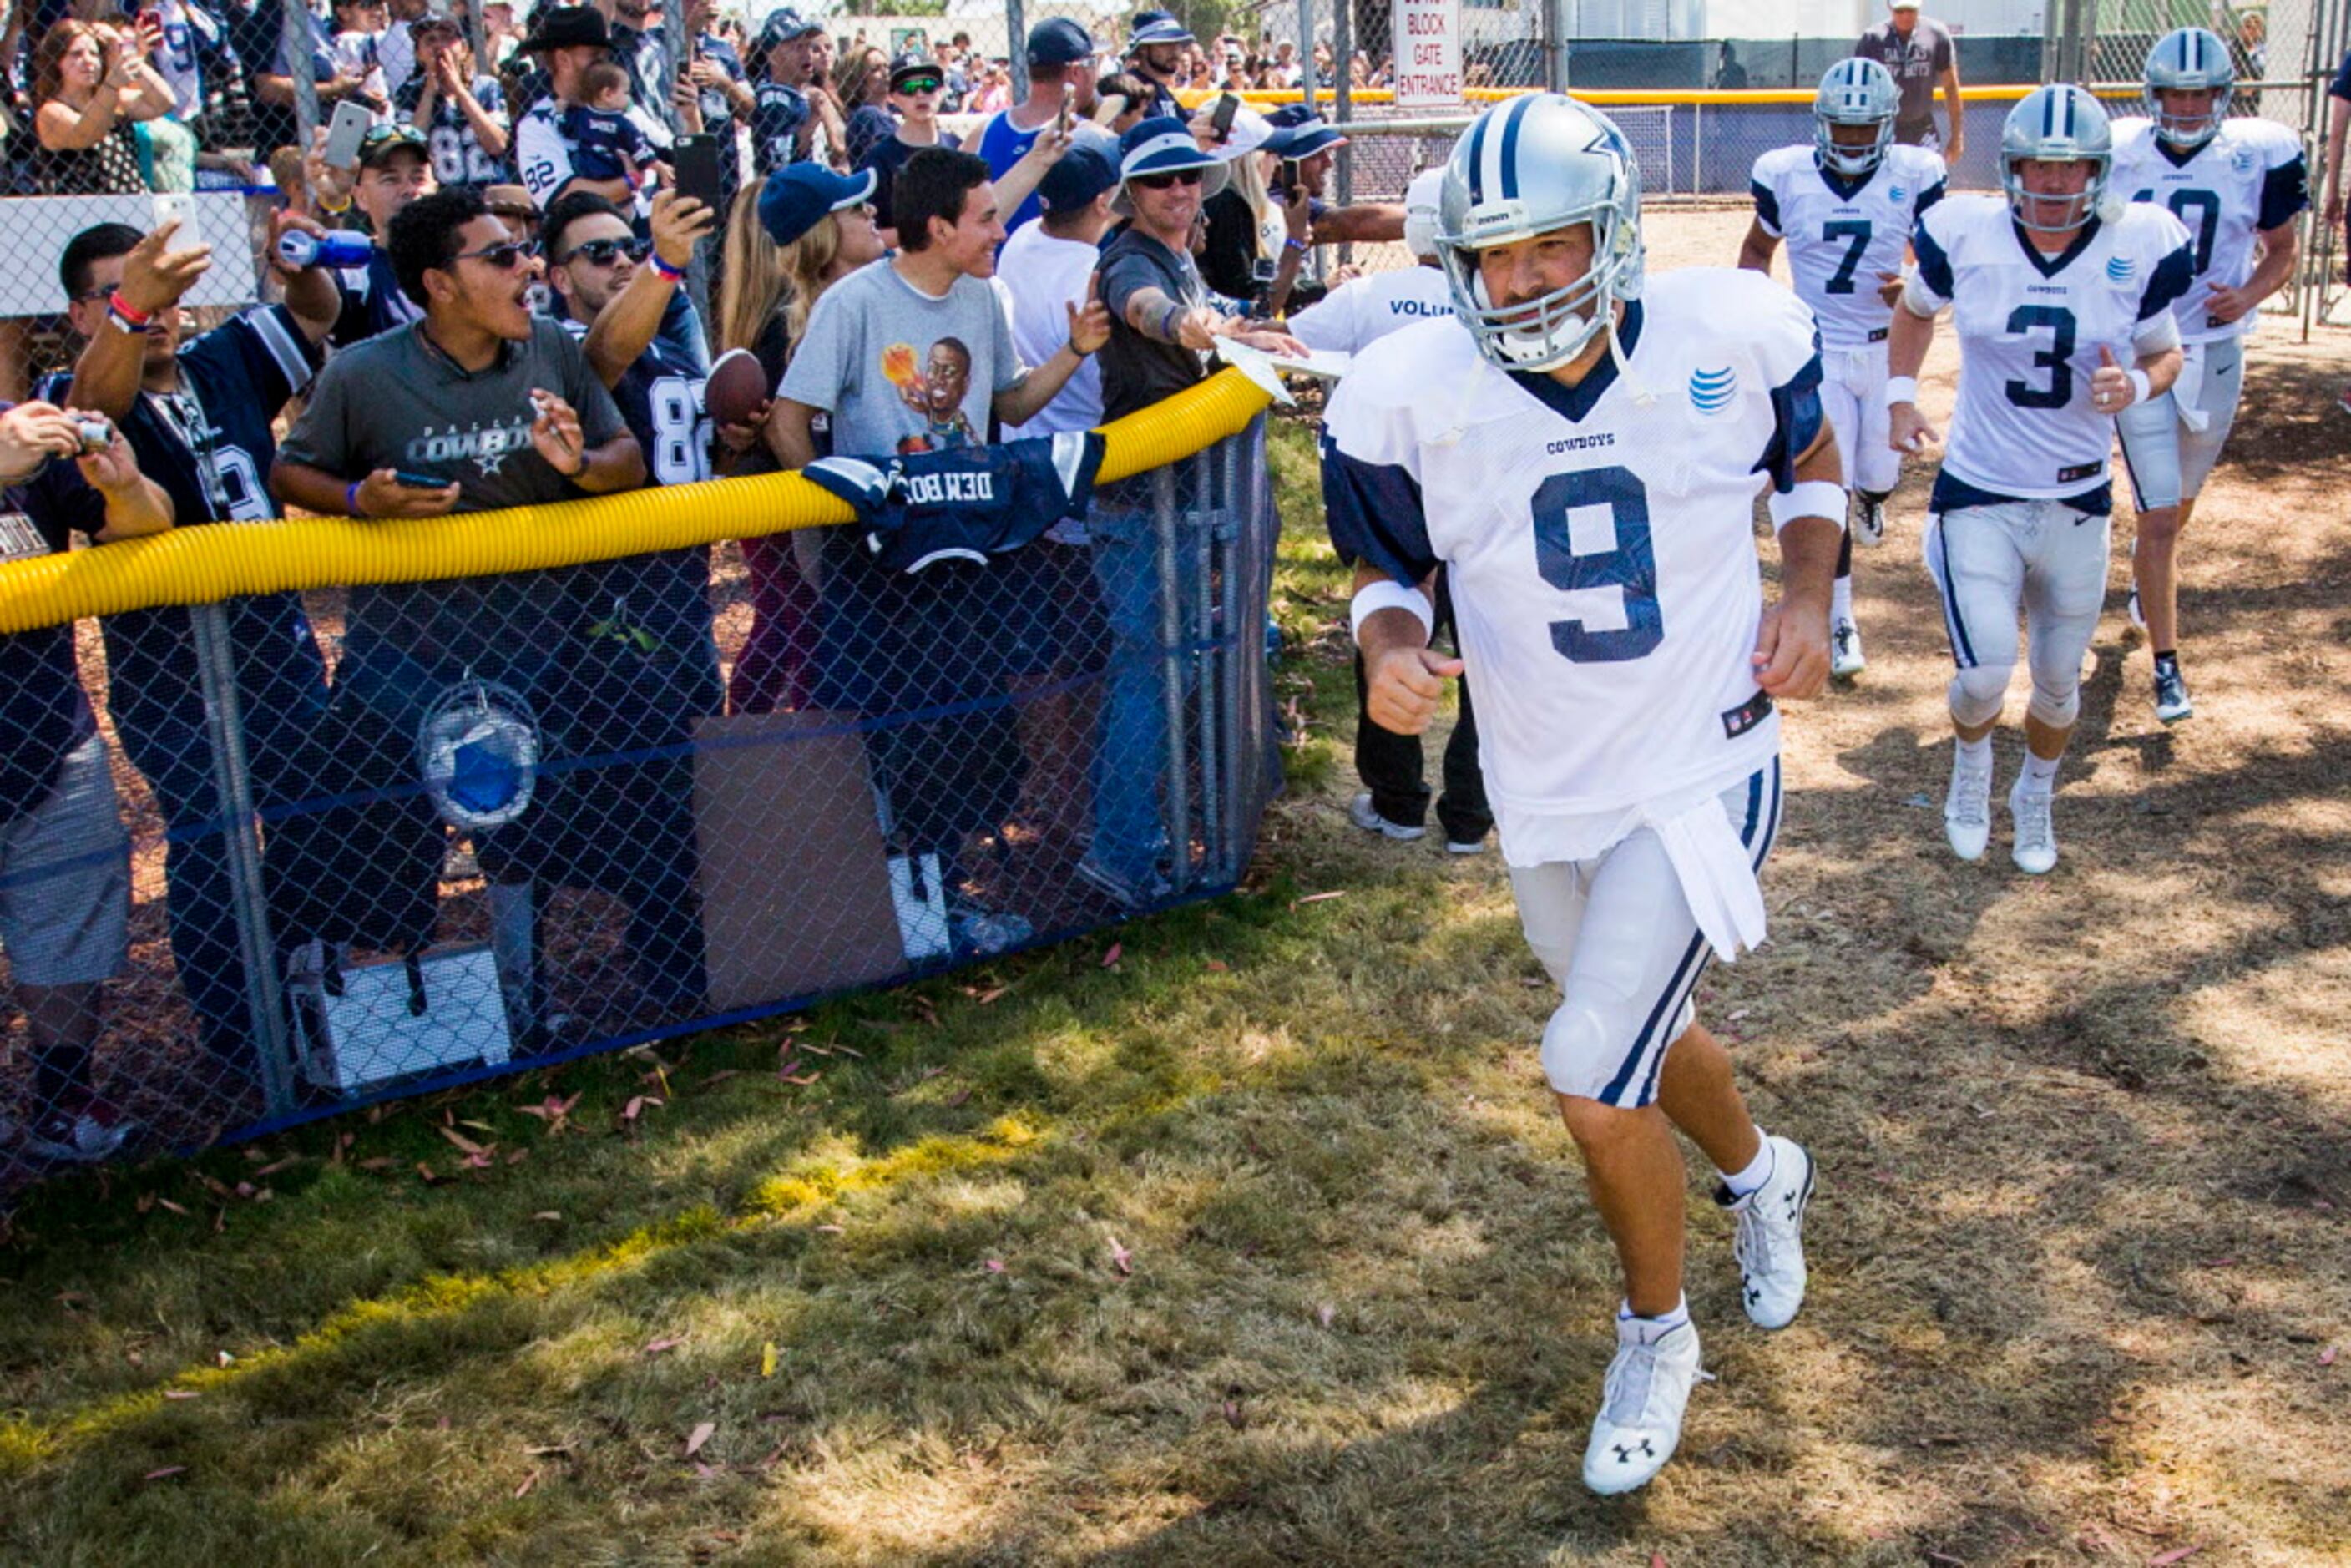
pixel 793 235
pixel 90 84
pixel 860 85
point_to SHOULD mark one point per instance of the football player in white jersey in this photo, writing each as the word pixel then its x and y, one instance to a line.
pixel 1581 448
pixel 1845 204
pixel 2052 287
pixel 2233 182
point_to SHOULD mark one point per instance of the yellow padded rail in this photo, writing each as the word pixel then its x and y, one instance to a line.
pixel 201 565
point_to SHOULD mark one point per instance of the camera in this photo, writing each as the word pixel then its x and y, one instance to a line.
pixel 97 436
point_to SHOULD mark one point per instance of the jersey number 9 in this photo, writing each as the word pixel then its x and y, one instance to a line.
pixel 1631 566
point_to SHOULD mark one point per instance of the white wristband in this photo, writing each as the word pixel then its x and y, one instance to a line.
pixel 2142 388
pixel 1901 389
pixel 1387 594
pixel 1812 498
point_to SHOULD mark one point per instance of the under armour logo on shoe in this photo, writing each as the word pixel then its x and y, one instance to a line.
pixel 1625 1455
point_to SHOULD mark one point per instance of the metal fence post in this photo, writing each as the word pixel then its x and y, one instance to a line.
pixel 1554 44
pixel 232 782
pixel 1165 518
pixel 1207 524
pixel 1306 52
pixel 1343 99
pixel 1016 47
pixel 298 32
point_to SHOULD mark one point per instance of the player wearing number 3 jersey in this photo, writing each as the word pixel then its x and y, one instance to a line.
pixel 1846 202
pixel 1581 449
pixel 2052 288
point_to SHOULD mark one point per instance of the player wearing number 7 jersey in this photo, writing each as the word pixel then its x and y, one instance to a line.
pixel 1845 204
pixel 2232 181
pixel 1581 448
pixel 2050 285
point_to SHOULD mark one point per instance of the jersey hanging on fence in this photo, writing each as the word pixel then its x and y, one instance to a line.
pixel 968 504
pixel 2248 178
pixel 1842 234
pixel 2031 327
pixel 1597 540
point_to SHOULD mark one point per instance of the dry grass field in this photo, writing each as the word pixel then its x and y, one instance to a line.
pixel 1246 1235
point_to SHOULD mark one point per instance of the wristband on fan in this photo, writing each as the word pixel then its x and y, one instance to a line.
pixel 118 311
pixel 1812 498
pixel 1169 320
pixel 664 270
pixel 2142 388
pixel 1388 594
pixel 1901 389
pixel 352 497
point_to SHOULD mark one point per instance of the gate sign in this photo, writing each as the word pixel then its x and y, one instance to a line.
pixel 1428 54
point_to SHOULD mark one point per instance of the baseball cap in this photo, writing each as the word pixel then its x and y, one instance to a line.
pixel 784 25
pixel 797 196
pixel 1902 5
pixel 1059 41
pixel 915 65
pixel 1157 27
pixel 1421 199
pixel 1088 169
pixel 383 141
pixel 1298 132
pixel 568 26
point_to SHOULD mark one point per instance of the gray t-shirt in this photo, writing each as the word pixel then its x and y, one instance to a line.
pixel 397 402
pixel 1136 370
pixel 900 370
pixel 1918 63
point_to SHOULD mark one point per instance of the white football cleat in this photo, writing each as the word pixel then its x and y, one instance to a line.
pixel 1966 808
pixel 1846 660
pixel 1769 1241
pixel 1868 522
pixel 2036 851
pixel 1641 1406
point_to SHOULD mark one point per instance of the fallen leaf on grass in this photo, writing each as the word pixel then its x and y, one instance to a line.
pixel 1218 967
pixel 995 1265
pixel 528 1482
pixel 701 1434
pixel 2326 1357
pixel 1235 1416
pixel 547 1448
pixel 381 1162
pixel 638 1105
pixel 175 1207
pixel 274 1166
pixel 1121 1258
pixel 1110 959
pixel 656 1346
pixel 990 995
pixel 1326 1315
pixel 721 1076
pixel 464 1144
pixel 768 1360
pixel 166 1473
pixel 181 1392
pixel 802 1079
pixel 2177 1555
pixel 1656 1560
pixel 1316 898
pixel 548 1214
pixel 424 1171
pixel 828 1230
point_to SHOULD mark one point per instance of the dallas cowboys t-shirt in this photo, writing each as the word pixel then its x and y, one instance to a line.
pixel 398 402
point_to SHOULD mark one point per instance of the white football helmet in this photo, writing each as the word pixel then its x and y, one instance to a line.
pixel 1855 91
pixel 2192 58
pixel 1525 167
pixel 2060 123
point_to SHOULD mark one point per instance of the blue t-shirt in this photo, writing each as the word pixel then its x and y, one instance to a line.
pixel 451 142
pixel 372 301
pixel 1002 144
pixel 2341 87
pixel 43 713
pixel 778 113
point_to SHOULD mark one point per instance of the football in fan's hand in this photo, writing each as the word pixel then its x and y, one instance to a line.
pixel 736 388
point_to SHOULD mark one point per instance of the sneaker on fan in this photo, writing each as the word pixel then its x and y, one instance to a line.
pixel 2035 850
pixel 1868 522
pixel 1770 1242
pixel 1966 809
pixel 1361 812
pixel 1845 650
pixel 2171 704
pixel 81 1137
pixel 1641 1406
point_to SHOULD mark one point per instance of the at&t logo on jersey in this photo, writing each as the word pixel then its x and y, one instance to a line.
pixel 2120 268
pixel 1710 391
pixel 1898 195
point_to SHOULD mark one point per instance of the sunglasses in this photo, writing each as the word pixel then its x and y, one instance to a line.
pixel 1169 181
pixel 605 252
pixel 505 257
pixel 918 84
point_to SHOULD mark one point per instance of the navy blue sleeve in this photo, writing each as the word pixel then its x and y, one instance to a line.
pixel 1934 265
pixel 2172 276
pixel 1929 196
pixel 59 501
pixel 2342 85
pixel 1767 204
pixel 2285 190
pixel 1374 515
pixel 1796 420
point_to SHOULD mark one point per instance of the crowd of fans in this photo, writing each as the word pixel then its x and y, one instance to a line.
pixel 484 306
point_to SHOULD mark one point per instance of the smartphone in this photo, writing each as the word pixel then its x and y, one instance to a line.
pixel 1068 102
pixel 343 133
pixel 1221 121
pixel 693 159
pixel 1290 177
pixel 180 208
pixel 404 478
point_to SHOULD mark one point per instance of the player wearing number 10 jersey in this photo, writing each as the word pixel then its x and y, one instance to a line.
pixel 1581 448
pixel 1845 204
pixel 2231 182
pixel 2050 286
